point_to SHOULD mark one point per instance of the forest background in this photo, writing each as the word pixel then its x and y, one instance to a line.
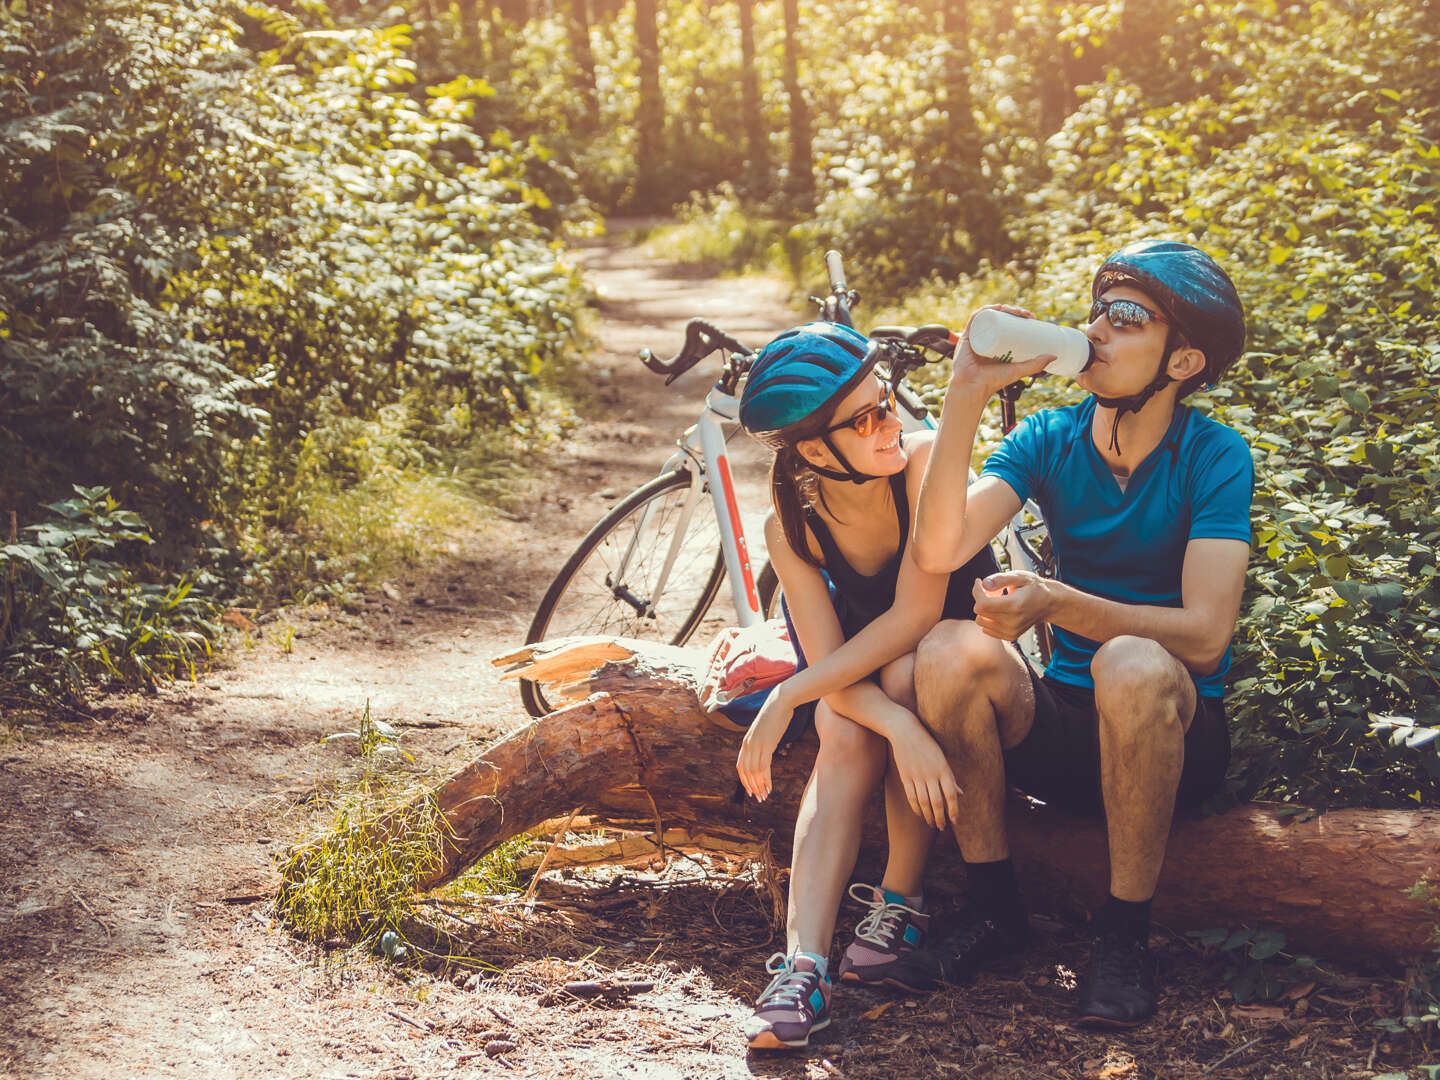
pixel 284 288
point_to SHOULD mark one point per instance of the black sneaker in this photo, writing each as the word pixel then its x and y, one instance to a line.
pixel 971 942
pixel 1119 989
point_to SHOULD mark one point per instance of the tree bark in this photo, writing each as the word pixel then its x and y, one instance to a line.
pixel 633 749
pixel 650 116
pixel 961 142
pixel 756 145
pixel 802 179
pixel 515 12
pixel 584 57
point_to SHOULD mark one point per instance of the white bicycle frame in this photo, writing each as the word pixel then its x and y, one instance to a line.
pixel 702 447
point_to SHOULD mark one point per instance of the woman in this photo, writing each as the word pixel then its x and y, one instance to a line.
pixel 843 483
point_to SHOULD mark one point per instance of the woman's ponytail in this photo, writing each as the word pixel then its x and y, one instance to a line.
pixel 789 480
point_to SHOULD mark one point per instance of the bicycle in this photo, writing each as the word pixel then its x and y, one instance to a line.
pixel 653 565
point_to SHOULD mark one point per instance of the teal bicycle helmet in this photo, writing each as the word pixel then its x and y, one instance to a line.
pixel 1198 299
pixel 1195 294
pixel 802 374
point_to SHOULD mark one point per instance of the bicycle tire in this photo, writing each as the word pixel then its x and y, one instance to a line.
pixel 582 599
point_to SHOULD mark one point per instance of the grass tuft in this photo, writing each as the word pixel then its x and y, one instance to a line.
pixel 358 878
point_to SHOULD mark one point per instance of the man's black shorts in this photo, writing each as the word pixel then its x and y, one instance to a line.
pixel 1058 762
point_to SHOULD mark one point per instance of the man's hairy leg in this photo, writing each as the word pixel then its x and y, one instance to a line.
pixel 910 839
pixel 1145 700
pixel 975 696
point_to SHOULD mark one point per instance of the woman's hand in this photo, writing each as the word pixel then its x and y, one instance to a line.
pixel 758 746
pixel 929 782
pixel 984 375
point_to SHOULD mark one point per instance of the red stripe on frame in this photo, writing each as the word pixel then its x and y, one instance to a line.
pixel 728 486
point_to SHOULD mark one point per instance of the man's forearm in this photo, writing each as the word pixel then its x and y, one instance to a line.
pixel 939 531
pixel 1195 637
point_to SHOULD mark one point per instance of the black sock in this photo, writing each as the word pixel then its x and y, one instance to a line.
pixel 1128 918
pixel 994 893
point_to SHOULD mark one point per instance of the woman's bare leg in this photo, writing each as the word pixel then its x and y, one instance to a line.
pixel 850 763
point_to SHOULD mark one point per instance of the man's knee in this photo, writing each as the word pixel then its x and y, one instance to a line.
pixel 954 663
pixel 957 653
pixel 897 679
pixel 1131 673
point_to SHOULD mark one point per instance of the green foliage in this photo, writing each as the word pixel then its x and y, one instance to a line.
pixel 71 609
pixel 232 235
pixel 718 232
pixel 498 872
pixel 1298 147
pixel 1256 964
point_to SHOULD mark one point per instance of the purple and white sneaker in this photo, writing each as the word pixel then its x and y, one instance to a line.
pixel 796 1003
pixel 887 949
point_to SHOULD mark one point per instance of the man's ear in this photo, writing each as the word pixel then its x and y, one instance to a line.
pixel 813 451
pixel 1185 364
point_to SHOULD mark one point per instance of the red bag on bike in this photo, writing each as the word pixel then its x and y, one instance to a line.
pixel 744 660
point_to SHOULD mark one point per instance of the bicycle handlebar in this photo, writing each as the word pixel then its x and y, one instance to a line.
pixel 701 339
pixel 837 271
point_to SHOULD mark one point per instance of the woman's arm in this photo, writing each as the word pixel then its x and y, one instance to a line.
pixel 842 671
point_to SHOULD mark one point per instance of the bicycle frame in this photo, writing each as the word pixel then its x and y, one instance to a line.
pixel 703 448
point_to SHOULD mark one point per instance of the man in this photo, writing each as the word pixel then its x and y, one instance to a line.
pixel 1147 504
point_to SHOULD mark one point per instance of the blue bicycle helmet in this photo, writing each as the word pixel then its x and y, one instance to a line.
pixel 801 372
pixel 1194 292
pixel 1199 301
pixel 799 377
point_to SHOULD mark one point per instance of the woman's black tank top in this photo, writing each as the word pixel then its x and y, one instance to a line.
pixel 860 599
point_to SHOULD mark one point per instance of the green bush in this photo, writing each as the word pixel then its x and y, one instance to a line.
pixel 229 229
pixel 70 610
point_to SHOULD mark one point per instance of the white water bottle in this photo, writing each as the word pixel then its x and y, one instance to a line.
pixel 1013 339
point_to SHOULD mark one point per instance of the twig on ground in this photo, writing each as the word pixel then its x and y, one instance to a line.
pixel 103 926
pixel 406 1020
pixel 1233 1053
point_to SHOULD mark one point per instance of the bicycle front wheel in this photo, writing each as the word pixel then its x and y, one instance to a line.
pixel 608 586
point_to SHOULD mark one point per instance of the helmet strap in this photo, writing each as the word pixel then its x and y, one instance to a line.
pixel 849 475
pixel 1136 402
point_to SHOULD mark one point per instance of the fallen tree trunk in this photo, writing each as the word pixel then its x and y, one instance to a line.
pixel 634 749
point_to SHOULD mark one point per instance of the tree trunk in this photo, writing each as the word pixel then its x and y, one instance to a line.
pixel 650 117
pixel 802 179
pixel 961 144
pixel 584 57
pixel 633 749
pixel 757 151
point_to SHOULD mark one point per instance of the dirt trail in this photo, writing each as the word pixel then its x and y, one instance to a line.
pixel 134 847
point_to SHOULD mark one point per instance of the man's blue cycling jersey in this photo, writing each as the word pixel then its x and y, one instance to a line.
pixel 1127 546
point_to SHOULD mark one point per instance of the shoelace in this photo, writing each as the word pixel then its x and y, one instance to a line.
pixel 1119 960
pixel 975 931
pixel 878 928
pixel 789 987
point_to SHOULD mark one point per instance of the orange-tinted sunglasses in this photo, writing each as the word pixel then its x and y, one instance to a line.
pixel 868 420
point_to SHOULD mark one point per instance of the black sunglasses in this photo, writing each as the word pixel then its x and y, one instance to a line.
pixel 1123 312
pixel 868 420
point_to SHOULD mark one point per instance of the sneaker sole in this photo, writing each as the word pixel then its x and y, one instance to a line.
pixel 854 977
pixel 1006 963
pixel 1105 1023
pixel 768 1040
